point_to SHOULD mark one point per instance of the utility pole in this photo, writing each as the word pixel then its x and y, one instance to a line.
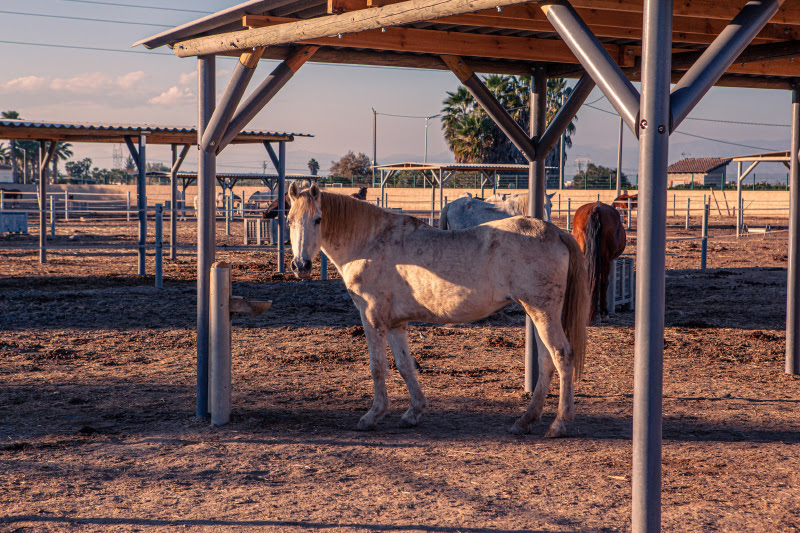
pixel 426 139
pixel 374 143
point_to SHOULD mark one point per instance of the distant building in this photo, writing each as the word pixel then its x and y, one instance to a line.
pixel 6 174
pixel 699 171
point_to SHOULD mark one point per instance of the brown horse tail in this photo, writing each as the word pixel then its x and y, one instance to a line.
pixel 594 247
pixel 443 217
pixel 575 314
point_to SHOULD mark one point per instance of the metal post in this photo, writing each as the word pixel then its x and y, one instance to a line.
pixel 619 159
pixel 704 241
pixel 630 212
pixel 220 344
pixel 433 195
pixel 375 147
pixel 141 200
pixel 281 205
pixel 323 266
pixel 559 206
pixel 654 121
pixel 42 206
pixel 159 245
pixel 569 214
pixel 128 207
pixel 673 206
pixel 441 192
pixel 793 284
pixel 52 217
pixel 688 208
pixel 66 204
pixel 228 212
pixel 206 178
pixel 536 194
pixel 2 200
pixel 173 208
pixel 738 199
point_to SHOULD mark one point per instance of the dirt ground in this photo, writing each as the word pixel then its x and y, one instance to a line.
pixel 97 404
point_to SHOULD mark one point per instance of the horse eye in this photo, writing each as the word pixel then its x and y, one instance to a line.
pixel 317 221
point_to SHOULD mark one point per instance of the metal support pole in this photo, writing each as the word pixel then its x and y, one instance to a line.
pixel 569 214
pixel 673 206
pixel 559 124
pixel 630 212
pixel 52 217
pixel 441 192
pixel 128 207
pixel 159 245
pixel 650 262
pixel 42 205
pixel 219 403
pixel 228 202
pixel 323 266
pixel 619 161
pixel 738 198
pixel 793 283
pixel 66 204
pixel 141 200
pixel 433 195
pixel 177 160
pixel 688 208
pixel 281 205
pixel 704 240
pixel 375 149
pixel 206 231
pixel 2 200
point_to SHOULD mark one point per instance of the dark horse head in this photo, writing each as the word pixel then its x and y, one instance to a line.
pixel 272 208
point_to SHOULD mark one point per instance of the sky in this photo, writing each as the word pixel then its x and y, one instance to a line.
pixel 58 68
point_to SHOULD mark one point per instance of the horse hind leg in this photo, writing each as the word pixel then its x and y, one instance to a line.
pixel 398 342
pixel 551 335
pixel 534 411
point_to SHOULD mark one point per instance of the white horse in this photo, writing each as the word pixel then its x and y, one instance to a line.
pixel 467 211
pixel 398 269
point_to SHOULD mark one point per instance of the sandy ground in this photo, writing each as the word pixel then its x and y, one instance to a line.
pixel 97 404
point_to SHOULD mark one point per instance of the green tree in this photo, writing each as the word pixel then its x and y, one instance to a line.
pixel 474 138
pixel 313 166
pixel 352 167
pixel 13 115
pixel 63 152
pixel 597 177
pixel 80 170
pixel 5 154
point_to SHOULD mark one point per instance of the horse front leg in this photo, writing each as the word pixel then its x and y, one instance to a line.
pixel 378 364
pixel 398 342
pixel 535 407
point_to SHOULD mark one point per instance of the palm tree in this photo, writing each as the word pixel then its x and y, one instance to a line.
pixel 472 135
pixel 313 166
pixel 5 154
pixel 14 164
pixel 63 152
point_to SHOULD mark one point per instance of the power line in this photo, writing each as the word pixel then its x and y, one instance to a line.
pixel 93 48
pixel 84 19
pixel 140 7
pixel 725 142
pixel 738 122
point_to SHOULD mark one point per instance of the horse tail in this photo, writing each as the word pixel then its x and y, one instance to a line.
pixel 575 313
pixel 443 217
pixel 594 248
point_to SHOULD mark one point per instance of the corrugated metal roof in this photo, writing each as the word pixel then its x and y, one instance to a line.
pixel 778 157
pixel 510 167
pixel 697 165
pixel 157 134
pixel 239 175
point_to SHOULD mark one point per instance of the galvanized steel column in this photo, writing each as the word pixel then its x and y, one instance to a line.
pixel 42 205
pixel 141 200
pixel 206 246
pixel 281 205
pixel 619 160
pixel 650 258
pixel 536 192
pixel 793 282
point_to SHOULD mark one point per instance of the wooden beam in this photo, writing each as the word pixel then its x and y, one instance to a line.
pixel 453 43
pixel 407 12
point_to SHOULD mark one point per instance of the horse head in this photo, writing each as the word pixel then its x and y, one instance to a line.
pixel 305 223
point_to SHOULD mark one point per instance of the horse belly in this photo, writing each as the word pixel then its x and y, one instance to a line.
pixel 462 297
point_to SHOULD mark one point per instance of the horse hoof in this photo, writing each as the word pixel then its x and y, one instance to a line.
pixel 556 431
pixel 406 424
pixel 366 426
pixel 516 429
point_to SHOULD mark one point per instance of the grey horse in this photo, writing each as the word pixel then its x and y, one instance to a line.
pixel 468 211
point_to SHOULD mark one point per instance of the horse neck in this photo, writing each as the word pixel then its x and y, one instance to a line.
pixel 348 225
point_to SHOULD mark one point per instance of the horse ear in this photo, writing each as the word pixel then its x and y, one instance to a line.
pixel 551 195
pixel 314 191
pixel 294 191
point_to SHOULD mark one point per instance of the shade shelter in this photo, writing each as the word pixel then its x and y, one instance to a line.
pixel 695 44
pixel 136 137
pixel 754 160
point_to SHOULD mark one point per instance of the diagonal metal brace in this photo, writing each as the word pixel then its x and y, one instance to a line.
pixel 492 107
pixel 595 59
pixel 565 115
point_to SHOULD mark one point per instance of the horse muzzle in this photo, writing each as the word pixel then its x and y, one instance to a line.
pixel 301 268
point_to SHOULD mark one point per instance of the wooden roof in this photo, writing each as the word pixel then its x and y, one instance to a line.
pixel 504 40
pixel 20 130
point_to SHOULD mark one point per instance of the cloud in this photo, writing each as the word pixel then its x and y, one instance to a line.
pixel 189 78
pixel 130 79
pixel 27 83
pixel 97 82
pixel 174 95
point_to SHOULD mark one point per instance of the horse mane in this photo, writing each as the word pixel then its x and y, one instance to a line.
pixel 518 203
pixel 347 219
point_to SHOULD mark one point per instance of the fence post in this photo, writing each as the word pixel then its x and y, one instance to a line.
pixel 673 205
pixel 241 204
pixel 2 200
pixel 159 246
pixel 128 207
pixel 704 242
pixel 630 212
pixel 52 217
pixel 323 266
pixel 688 207
pixel 219 319
pixel 569 214
pixel 259 227
pixel 227 202
pixel 559 206
pixel 66 204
